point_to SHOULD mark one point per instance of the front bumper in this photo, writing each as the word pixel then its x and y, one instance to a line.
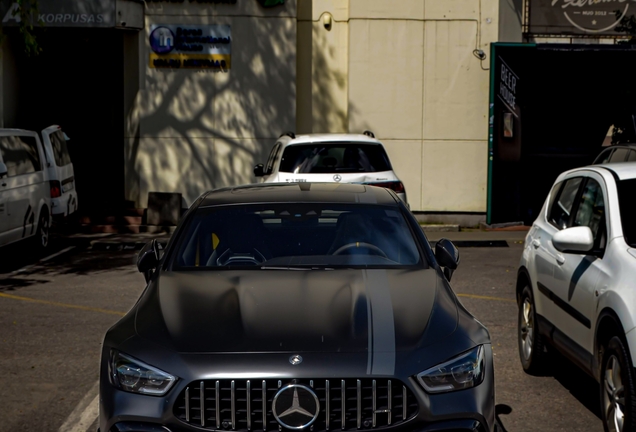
pixel 445 426
pixel 470 410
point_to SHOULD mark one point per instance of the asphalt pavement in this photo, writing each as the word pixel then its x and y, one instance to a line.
pixel 55 308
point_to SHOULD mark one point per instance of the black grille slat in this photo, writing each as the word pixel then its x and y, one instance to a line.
pixel 231 407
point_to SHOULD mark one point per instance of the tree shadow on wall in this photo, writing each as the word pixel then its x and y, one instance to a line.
pixel 194 130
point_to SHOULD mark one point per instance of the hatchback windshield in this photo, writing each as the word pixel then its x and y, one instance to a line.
pixel 627 203
pixel 305 236
pixel 345 157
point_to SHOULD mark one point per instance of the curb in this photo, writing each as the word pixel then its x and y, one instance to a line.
pixel 440 228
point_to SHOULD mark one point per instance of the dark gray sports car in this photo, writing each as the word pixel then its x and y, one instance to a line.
pixel 317 307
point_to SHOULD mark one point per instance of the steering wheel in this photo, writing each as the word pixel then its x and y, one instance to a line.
pixel 369 246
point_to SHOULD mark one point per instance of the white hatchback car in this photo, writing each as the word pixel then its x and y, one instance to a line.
pixel 25 202
pixel 575 286
pixel 346 158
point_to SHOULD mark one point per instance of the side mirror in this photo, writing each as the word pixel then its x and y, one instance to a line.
pixel 148 259
pixel 3 170
pixel 259 170
pixel 574 240
pixel 447 256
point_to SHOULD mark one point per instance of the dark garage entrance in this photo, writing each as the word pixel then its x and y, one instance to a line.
pixel 77 82
pixel 551 108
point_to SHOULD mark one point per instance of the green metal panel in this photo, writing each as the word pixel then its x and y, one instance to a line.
pixel 491 116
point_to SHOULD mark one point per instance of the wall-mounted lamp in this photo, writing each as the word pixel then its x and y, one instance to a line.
pixel 480 54
pixel 326 20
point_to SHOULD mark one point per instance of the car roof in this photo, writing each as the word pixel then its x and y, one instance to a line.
pixel 10 132
pixel 305 192
pixel 619 170
pixel 622 170
pixel 326 138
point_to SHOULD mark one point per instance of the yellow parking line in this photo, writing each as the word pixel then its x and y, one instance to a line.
pixel 481 297
pixel 66 305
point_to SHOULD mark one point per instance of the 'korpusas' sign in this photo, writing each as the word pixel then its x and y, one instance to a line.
pixel 581 17
pixel 181 46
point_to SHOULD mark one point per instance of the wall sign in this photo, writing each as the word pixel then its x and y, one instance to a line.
pixel 581 17
pixel 65 13
pixel 200 47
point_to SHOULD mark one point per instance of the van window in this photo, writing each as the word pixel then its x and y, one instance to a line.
pixel 20 155
pixel 60 151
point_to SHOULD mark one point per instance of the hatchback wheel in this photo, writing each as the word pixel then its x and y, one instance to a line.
pixel 532 351
pixel 618 403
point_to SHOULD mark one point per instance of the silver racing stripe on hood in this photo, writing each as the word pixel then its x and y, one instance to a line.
pixel 381 351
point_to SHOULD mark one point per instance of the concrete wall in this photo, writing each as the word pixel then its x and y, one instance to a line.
pixel 414 81
pixel 510 21
pixel 189 131
pixel 9 84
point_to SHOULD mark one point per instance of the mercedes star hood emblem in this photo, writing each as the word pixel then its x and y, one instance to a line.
pixel 295 406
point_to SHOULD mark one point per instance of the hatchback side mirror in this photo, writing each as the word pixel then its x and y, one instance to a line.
pixel 3 170
pixel 447 256
pixel 574 240
pixel 259 170
pixel 148 259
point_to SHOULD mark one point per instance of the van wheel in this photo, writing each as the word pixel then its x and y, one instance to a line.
pixel 42 234
pixel 532 352
pixel 618 399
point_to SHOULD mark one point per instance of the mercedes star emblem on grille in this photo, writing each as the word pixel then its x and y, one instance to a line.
pixel 337 177
pixel 295 359
pixel 295 406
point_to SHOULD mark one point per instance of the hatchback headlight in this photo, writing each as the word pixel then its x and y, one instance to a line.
pixel 132 375
pixel 462 372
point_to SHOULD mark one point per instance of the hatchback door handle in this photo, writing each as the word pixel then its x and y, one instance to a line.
pixel 560 259
pixel 536 243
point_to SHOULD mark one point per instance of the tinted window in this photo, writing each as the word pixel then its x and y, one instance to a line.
pixel 20 155
pixel 627 204
pixel 561 209
pixel 270 159
pixel 591 211
pixel 604 157
pixel 60 151
pixel 619 155
pixel 632 156
pixel 334 157
pixel 297 235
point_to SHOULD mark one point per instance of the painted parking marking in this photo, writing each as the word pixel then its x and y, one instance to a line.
pixel 66 305
pixel 84 414
pixel 481 297
pixel 63 251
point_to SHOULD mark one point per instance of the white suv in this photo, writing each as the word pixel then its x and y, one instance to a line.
pixel 575 286
pixel 346 158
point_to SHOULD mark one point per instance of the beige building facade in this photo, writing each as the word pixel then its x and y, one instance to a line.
pixel 403 69
pixel 409 70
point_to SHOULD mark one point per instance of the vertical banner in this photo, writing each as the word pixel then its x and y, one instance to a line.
pixel 194 47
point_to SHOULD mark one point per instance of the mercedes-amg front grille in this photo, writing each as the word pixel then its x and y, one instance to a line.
pixel 246 405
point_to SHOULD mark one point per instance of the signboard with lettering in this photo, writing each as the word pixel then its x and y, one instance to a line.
pixel 187 46
pixel 581 17
pixel 507 110
pixel 64 13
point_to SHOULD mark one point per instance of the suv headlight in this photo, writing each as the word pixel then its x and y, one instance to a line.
pixel 132 375
pixel 462 372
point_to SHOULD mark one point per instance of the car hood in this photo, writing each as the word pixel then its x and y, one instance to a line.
pixel 375 311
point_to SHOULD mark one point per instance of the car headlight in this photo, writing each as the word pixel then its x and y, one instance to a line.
pixel 132 375
pixel 462 372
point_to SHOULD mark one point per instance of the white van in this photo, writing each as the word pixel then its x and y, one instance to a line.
pixel 60 170
pixel 25 196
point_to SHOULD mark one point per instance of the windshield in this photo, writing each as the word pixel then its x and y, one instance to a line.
pixel 304 236
pixel 627 203
pixel 345 157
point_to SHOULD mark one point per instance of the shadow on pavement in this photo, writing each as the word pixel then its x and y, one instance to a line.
pixel 582 386
pixel 499 410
